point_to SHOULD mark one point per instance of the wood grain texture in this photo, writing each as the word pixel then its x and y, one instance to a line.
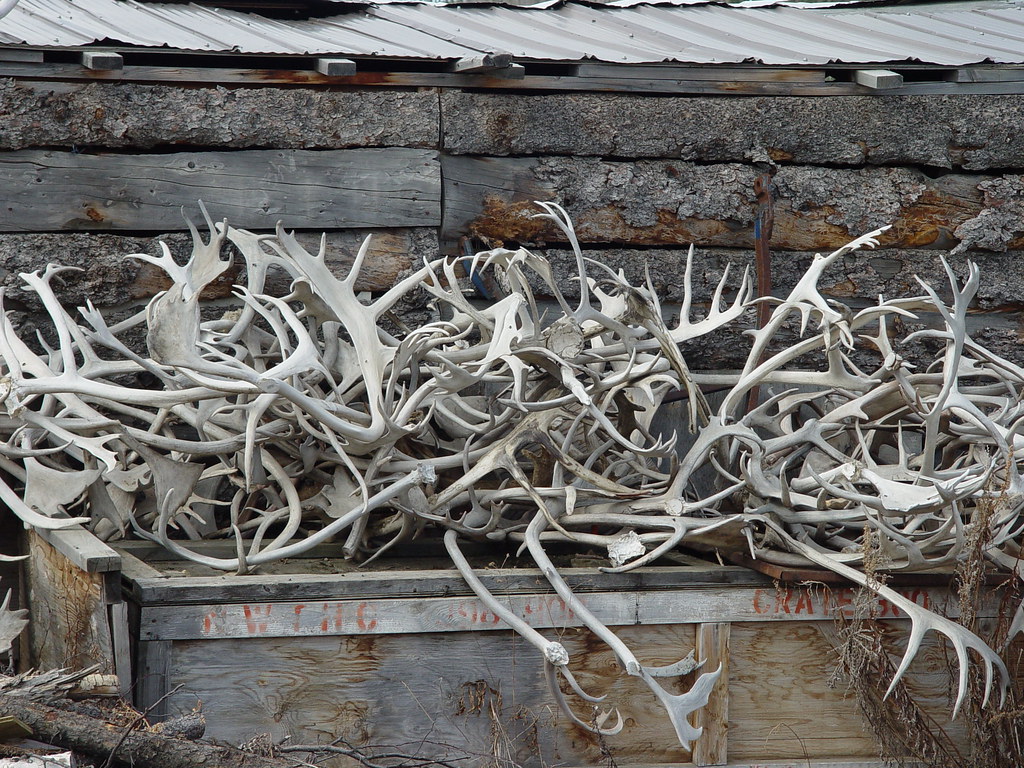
pixel 364 615
pixel 447 696
pixel 781 705
pixel 82 549
pixel 712 645
pixel 253 188
pixel 68 616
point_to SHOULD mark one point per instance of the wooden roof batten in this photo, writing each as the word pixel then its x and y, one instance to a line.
pixel 502 72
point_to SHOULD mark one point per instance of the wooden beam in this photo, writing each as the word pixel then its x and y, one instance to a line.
pixel 211 75
pixel 336 67
pixel 259 617
pixel 83 549
pixel 255 189
pixel 712 648
pixel 482 62
pixel 878 79
pixel 102 60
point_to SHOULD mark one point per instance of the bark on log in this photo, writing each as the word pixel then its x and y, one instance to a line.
pixel 649 202
pixel 141 749
pixel 971 132
pixel 50 114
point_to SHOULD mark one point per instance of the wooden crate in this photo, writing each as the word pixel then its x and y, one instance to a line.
pixel 405 656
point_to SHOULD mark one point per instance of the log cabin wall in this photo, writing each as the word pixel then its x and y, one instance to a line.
pixel 96 170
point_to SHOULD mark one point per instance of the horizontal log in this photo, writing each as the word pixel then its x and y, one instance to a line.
pixel 108 279
pixel 115 114
pixel 124 745
pixel 648 202
pixel 941 131
pixel 340 189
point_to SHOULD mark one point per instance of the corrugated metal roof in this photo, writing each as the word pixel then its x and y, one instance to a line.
pixel 950 33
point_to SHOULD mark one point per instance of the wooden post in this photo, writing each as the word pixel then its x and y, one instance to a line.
pixel 713 649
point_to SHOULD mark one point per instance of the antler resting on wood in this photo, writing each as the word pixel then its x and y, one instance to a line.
pixel 312 413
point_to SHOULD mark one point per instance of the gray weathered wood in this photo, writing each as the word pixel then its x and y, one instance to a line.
pixel 847 130
pixel 482 62
pixel 126 114
pixel 878 79
pixel 152 682
pixel 987 75
pixel 120 634
pixel 699 73
pixel 418 583
pixel 102 60
pixel 458 695
pixel 255 76
pixel 83 549
pixel 364 615
pixel 336 67
pixel 252 189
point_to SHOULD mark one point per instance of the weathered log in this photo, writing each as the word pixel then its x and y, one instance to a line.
pixel 99 739
pixel 64 114
pixel 971 132
pixel 649 202
pixel 337 189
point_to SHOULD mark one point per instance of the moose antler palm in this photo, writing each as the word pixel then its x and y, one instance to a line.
pixel 496 422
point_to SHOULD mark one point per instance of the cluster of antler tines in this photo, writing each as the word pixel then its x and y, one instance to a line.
pixel 296 419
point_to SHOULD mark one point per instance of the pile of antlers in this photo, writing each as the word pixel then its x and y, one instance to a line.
pixel 295 419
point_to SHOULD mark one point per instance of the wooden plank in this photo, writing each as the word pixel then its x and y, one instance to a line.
pixel 458 695
pixel 254 189
pixel 878 79
pixel 719 74
pixel 422 583
pixel 68 614
pixel 987 75
pixel 227 75
pixel 712 646
pixel 482 62
pixel 152 683
pixel 120 634
pixel 83 549
pixel 21 54
pixel 102 60
pixel 335 67
pixel 360 615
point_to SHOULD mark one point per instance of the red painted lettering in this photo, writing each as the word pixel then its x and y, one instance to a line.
pixel 252 615
pixel 298 611
pixel 361 620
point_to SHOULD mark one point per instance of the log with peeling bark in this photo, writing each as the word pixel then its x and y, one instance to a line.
pixel 100 739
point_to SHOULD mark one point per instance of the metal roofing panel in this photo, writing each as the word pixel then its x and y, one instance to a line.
pixel 952 33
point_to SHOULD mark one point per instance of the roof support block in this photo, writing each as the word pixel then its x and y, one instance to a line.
pixel 484 62
pixel 879 79
pixel 102 60
pixel 336 67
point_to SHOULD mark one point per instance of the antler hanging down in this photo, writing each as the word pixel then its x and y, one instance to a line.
pixel 496 422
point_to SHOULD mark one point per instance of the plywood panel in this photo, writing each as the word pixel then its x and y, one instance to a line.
pixel 476 694
pixel 780 702
pixel 68 614
pixel 254 189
